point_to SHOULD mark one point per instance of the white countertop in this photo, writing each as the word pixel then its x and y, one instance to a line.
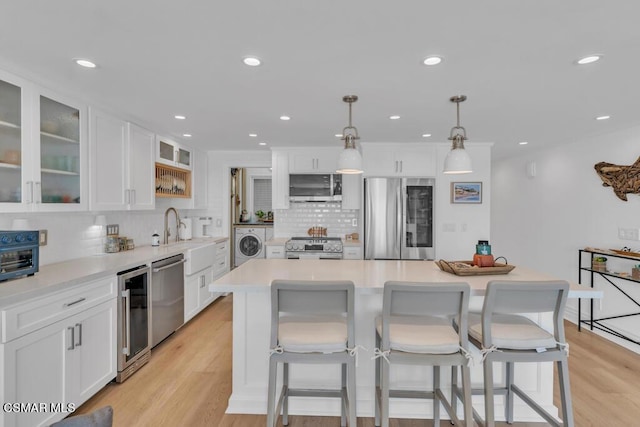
pixel 368 276
pixel 54 277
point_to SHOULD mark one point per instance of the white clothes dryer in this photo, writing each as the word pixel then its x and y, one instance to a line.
pixel 249 244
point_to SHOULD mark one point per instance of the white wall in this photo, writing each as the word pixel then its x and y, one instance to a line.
pixel 541 222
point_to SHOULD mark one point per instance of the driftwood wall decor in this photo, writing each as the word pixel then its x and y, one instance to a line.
pixel 622 179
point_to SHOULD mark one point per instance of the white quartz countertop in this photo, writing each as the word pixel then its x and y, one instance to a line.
pixel 368 276
pixel 54 277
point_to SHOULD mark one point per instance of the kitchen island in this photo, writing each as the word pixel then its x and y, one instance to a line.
pixel 250 284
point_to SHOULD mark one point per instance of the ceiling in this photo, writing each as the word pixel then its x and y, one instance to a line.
pixel 514 60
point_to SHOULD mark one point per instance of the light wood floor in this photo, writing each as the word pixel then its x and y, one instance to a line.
pixel 188 382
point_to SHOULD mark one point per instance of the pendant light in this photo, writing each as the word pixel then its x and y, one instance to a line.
pixel 457 160
pixel 350 160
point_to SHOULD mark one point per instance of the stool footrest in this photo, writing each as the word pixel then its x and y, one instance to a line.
pixel 300 392
pixel 544 414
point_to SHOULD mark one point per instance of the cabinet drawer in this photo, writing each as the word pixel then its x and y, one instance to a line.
pixel 221 264
pixel 37 313
pixel 221 248
pixel 275 252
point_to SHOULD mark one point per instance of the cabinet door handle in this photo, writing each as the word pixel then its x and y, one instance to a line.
pixel 79 326
pixel 133 197
pixel 37 192
pixel 400 166
pixel 28 192
pixel 73 338
pixel 127 196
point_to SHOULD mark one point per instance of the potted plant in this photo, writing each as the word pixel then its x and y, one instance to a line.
pixel 260 214
pixel 599 263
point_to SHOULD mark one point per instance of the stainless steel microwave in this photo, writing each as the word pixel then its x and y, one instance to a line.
pixel 315 187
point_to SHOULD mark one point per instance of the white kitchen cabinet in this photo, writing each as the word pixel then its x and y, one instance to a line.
pixel 42 149
pixel 351 252
pixel 122 164
pixel 221 265
pixel 276 251
pixel 314 160
pixel 280 179
pixel 405 160
pixel 196 292
pixel 172 153
pixel 203 266
pixel 65 362
pixel 140 168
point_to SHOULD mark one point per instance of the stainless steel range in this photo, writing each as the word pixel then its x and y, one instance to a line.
pixel 314 248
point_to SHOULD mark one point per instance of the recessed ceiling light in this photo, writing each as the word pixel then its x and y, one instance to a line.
pixel 523 142
pixel 85 63
pixel 426 135
pixel 394 117
pixel 339 135
pixel 179 117
pixel 285 118
pixel 589 59
pixel 262 143
pixel 186 135
pixel 603 117
pixel 253 135
pixel 432 60
pixel 252 61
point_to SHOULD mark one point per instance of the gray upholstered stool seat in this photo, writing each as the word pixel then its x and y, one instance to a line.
pixel 503 334
pixel 416 328
pixel 312 322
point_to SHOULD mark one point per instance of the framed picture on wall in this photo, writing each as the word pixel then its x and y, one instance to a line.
pixel 466 192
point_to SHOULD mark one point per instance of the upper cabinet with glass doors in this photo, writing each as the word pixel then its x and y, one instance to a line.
pixel 172 153
pixel 42 150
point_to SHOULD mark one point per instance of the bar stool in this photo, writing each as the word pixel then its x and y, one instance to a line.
pixel 312 322
pixel 416 328
pixel 503 335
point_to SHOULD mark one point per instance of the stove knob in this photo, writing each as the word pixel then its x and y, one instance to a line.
pixel 20 238
pixel 31 237
pixel 5 239
pixel 289 246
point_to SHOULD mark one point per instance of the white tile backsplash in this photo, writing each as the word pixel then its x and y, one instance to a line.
pixel 301 216
pixel 73 235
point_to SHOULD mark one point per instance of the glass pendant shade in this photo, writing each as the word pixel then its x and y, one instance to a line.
pixel 350 161
pixel 457 161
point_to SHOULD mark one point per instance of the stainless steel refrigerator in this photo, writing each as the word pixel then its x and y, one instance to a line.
pixel 398 216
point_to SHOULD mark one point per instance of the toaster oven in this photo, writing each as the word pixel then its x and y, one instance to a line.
pixel 18 254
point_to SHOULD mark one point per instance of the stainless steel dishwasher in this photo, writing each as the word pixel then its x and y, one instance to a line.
pixel 167 297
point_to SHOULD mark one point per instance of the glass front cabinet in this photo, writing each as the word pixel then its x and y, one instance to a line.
pixel 42 150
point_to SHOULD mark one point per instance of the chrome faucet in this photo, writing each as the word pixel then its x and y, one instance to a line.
pixel 167 233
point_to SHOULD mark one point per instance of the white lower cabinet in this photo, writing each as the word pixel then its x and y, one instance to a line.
pixel 351 252
pixel 62 364
pixel 276 251
pixel 196 292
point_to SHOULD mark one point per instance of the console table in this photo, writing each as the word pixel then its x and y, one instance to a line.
pixel 590 254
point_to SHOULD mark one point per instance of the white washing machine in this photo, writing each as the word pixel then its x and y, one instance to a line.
pixel 249 244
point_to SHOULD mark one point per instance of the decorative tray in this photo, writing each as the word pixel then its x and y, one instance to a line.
pixel 466 268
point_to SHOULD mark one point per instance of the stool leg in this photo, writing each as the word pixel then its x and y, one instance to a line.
pixel 343 399
pixel 351 393
pixel 489 418
pixel 436 399
pixel 508 407
pixel 285 404
pixel 466 392
pixel 384 398
pixel 271 396
pixel 565 393
pixel 376 394
pixel 454 385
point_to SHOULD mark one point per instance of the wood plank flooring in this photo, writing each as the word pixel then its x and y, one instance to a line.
pixel 188 382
